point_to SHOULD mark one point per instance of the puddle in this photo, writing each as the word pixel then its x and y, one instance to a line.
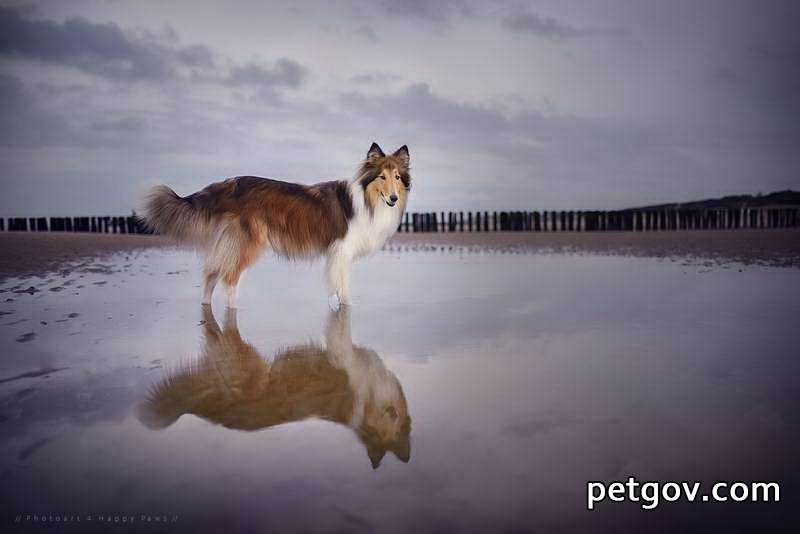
pixel 462 393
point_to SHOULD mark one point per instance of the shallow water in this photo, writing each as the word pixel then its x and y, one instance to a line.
pixel 463 392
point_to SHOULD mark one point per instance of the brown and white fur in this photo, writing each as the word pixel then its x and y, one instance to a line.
pixel 234 221
pixel 233 385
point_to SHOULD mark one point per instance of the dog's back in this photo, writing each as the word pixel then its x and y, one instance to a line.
pixel 292 219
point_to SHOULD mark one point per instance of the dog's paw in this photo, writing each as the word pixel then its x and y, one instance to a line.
pixel 333 302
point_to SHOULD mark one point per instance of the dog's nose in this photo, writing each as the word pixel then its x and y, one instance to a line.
pixel 393 197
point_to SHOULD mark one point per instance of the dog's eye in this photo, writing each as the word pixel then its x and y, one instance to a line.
pixel 383 177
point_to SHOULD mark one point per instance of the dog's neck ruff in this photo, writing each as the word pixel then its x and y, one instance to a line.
pixel 369 229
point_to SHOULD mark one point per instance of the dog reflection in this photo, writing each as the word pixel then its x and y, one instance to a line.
pixel 232 385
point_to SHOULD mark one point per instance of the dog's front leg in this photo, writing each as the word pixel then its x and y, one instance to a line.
pixel 338 269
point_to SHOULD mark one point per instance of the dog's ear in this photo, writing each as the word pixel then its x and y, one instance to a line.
pixel 375 454
pixel 374 152
pixel 402 447
pixel 402 153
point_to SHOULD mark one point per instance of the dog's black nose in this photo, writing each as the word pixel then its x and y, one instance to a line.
pixel 393 198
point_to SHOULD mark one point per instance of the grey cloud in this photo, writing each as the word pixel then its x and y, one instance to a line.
pixel 102 49
pixel 25 123
pixel 120 124
pixel 284 72
pixel 418 104
pixel 777 51
pixel 366 31
pixel 548 27
pixel 438 12
pixel 534 151
pixel 195 56
pixel 724 75
pixel 374 78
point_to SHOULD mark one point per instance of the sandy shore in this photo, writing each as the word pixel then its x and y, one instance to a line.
pixel 26 254
pixel 23 254
pixel 776 247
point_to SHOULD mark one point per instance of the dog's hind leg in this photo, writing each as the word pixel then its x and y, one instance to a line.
pixel 236 248
pixel 232 287
pixel 211 278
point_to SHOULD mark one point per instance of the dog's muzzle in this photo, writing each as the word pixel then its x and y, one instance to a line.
pixel 391 201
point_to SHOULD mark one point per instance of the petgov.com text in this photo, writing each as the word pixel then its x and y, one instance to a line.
pixel 652 493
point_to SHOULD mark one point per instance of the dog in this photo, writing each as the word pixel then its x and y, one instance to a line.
pixel 232 385
pixel 234 221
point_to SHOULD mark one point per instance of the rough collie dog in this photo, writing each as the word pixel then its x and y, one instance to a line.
pixel 233 385
pixel 234 221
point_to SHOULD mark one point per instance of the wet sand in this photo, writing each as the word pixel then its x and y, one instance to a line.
pixel 26 254
pixel 776 247
pixel 462 393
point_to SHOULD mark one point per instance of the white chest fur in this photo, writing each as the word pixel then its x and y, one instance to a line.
pixel 368 232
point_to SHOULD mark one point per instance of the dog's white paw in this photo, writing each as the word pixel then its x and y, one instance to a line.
pixel 333 302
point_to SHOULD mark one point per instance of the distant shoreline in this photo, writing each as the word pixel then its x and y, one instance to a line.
pixel 33 254
pixel 774 247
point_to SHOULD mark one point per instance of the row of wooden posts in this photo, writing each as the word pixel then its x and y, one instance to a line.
pixel 485 221
pixel 102 225
pixel 602 221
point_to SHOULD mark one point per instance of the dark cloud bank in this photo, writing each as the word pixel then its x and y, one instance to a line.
pixel 94 111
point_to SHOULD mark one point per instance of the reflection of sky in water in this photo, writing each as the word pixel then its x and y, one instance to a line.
pixel 525 376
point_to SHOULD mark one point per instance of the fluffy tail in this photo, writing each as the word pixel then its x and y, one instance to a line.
pixel 169 214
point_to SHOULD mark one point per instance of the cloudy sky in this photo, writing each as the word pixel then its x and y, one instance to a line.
pixel 544 104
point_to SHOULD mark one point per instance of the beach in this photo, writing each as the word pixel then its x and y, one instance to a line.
pixel 25 254
pixel 476 385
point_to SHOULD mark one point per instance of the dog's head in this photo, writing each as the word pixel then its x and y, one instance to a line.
pixel 385 178
pixel 387 428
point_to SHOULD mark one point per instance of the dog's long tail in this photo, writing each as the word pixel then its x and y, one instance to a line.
pixel 176 216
